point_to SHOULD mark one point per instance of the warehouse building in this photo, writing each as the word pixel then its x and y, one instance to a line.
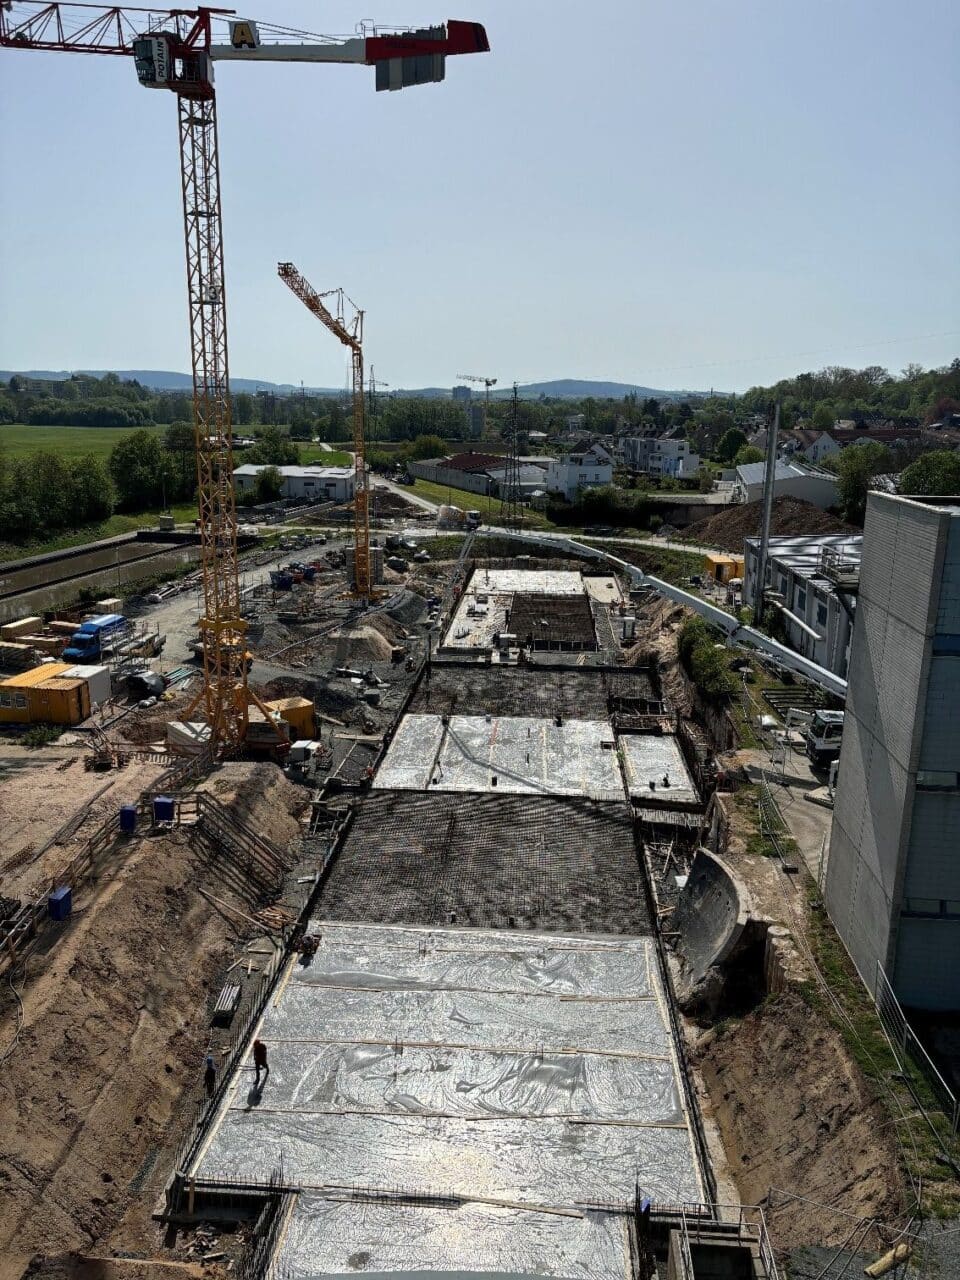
pixel 308 484
pixel 893 876
pixel 789 480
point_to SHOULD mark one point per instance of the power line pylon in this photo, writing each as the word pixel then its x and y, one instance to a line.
pixel 511 509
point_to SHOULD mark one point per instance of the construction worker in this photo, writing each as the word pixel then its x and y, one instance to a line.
pixel 260 1062
pixel 210 1075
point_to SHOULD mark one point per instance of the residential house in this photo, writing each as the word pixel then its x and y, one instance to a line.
pixel 662 456
pixel 585 466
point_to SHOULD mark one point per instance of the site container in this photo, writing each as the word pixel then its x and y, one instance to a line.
pixel 22 627
pixel 722 568
pixel 59 701
pixel 298 714
pixel 128 819
pixel 36 675
pixel 98 681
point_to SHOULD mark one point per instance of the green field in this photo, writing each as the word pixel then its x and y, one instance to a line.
pixel 313 455
pixel 18 439
pixel 183 513
pixel 489 508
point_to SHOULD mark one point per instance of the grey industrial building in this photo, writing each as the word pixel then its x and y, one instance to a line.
pixel 808 571
pixel 893 876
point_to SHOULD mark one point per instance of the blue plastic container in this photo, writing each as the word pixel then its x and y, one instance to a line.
pixel 285 582
pixel 128 819
pixel 162 809
pixel 309 573
pixel 60 903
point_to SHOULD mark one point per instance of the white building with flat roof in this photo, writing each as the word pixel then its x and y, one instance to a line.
pixel 790 480
pixel 318 484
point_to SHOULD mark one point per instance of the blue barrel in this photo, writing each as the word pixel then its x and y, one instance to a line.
pixel 128 819
pixel 285 582
pixel 162 809
pixel 309 573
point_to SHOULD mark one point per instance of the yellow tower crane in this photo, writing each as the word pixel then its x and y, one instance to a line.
pixel 349 329
pixel 487 384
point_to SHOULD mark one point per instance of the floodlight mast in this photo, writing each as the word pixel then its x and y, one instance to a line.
pixel 174 49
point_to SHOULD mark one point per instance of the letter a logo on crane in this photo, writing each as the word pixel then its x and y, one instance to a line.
pixel 244 35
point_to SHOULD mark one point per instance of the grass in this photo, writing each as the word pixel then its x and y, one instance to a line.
pixel 116 524
pixel 18 439
pixel 311 454
pixel 489 508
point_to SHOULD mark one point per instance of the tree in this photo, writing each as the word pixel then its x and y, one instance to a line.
pixel 92 492
pixel 137 468
pixel 243 409
pixel 823 418
pixel 274 449
pixel 729 444
pixel 269 485
pixel 178 439
pixel 427 447
pixel 749 453
pixel 934 473
pixel 856 466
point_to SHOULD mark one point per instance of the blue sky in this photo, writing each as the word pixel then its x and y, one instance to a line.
pixel 687 194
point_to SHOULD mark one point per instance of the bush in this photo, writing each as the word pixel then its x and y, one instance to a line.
pixel 703 661
pixel 41 735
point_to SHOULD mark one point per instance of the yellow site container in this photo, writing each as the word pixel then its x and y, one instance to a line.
pixel 298 714
pixel 14 705
pixel 722 568
pixel 62 700
pixel 36 675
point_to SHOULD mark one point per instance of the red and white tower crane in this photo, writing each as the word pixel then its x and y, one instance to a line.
pixel 175 49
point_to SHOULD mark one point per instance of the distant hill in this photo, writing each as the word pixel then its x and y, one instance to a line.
pixel 560 389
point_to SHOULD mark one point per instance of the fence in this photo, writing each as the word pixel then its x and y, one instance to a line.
pixel 912 1057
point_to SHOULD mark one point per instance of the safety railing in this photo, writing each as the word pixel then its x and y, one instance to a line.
pixel 912 1057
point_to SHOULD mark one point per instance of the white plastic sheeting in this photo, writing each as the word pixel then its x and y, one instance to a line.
pixel 487 1065
pixel 522 755
pixel 327 1237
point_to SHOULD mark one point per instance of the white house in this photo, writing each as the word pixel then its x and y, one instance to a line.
pixel 661 456
pixel 320 484
pixel 790 479
pixel 581 468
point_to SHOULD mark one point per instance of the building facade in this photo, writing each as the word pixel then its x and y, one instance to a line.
pixel 893 876
pixel 661 456
pixel 317 484
pixel 580 469
pixel 817 618
pixel 789 479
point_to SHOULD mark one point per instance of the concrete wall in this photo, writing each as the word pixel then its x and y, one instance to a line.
pixel 889 842
pixel 472 482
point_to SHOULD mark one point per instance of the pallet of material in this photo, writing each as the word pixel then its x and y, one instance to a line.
pixel 52 645
pixel 17 657
pixel 23 627
pixel 62 627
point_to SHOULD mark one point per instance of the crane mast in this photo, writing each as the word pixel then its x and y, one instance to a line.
pixel 174 49
pixel 350 333
pixel 487 384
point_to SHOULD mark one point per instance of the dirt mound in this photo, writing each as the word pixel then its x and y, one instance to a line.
pixel 407 607
pixel 728 528
pixel 795 1113
pixel 370 639
pixel 261 797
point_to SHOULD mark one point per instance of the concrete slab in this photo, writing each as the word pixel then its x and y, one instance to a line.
pixel 514 754
pixel 516 1108
pixel 656 759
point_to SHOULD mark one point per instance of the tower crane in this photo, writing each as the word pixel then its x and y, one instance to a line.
pixel 349 329
pixel 487 384
pixel 175 49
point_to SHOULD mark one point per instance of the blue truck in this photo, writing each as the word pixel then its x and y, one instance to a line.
pixel 97 637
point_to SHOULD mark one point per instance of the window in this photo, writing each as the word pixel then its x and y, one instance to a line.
pixel 937 780
pixel 821 613
pixel 801 599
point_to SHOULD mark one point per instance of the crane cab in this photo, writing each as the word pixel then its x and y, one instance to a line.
pixel 162 62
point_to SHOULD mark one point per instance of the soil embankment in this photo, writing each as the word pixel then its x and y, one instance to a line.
pixel 796 1114
pixel 114 1025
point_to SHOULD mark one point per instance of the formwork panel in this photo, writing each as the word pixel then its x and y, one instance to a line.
pixel 571 693
pixel 565 864
pixel 655 770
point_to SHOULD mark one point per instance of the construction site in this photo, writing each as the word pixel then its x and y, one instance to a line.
pixel 417 913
